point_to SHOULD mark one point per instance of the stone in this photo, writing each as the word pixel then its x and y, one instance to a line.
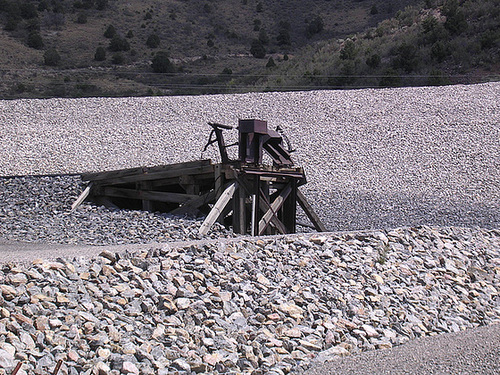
pixel 129 368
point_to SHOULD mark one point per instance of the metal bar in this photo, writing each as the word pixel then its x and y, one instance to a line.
pixel 58 366
pixel 17 368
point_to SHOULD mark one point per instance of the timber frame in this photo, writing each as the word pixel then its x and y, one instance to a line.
pixel 251 197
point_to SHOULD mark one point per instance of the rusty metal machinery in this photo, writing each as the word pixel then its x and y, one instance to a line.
pixel 260 199
pixel 245 193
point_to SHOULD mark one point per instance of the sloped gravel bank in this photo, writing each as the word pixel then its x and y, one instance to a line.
pixel 259 306
pixel 374 158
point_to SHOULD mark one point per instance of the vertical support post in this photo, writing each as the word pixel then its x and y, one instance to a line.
pixel 239 209
pixel 256 206
pixel 147 205
pixel 289 211
pixel 219 186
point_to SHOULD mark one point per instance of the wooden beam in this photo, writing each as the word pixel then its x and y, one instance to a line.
pixel 265 205
pixel 218 208
pixel 194 203
pixel 158 196
pixel 275 206
pixel 82 197
pixel 174 169
pixel 149 175
pixel 318 225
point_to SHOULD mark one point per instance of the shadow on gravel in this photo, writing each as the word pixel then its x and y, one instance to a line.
pixel 362 211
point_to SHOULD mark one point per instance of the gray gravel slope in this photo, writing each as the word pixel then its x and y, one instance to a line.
pixel 476 351
pixel 374 158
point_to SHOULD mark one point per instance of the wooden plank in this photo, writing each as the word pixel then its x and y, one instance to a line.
pixel 264 206
pixel 82 197
pixel 158 196
pixel 101 176
pixel 318 225
pixel 275 206
pixel 194 203
pixel 218 208
pixel 162 174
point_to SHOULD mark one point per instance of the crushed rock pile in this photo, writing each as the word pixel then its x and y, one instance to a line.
pixel 252 306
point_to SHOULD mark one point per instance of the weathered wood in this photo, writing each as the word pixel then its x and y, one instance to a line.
pixel 308 210
pixel 275 206
pixel 265 206
pixel 174 169
pixel 193 204
pixel 218 208
pixel 82 197
pixel 159 196
pixel 155 175
pixel 289 210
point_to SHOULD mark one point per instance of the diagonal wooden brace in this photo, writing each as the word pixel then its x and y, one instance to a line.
pixel 275 206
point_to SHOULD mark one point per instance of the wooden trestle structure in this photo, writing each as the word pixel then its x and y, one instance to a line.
pixel 251 197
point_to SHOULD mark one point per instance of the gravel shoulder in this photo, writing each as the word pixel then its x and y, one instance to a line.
pixel 476 351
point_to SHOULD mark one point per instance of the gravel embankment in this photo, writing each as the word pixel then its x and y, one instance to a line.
pixel 426 160
pixel 248 306
pixel 374 158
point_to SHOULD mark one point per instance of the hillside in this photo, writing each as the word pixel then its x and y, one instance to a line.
pixel 106 47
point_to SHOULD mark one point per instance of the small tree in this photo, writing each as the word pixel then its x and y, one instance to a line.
pixel 373 61
pixel 110 32
pixel 51 57
pixel 161 63
pixel 257 49
pixel 153 41
pixel 100 54
pixel 314 26
pixel 264 39
pixel 35 40
pixel 270 63
pixel 118 44
pixel 117 58
pixel 81 19
pixel 101 4
pixel 348 52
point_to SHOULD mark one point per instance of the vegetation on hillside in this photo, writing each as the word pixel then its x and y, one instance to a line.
pixel 443 42
pixel 151 47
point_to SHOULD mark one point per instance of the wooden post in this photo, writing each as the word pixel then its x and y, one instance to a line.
pixel 275 206
pixel 289 211
pixel 218 208
pixel 320 227
pixel 239 208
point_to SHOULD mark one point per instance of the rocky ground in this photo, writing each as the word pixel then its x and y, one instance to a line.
pixel 38 209
pixel 425 160
pixel 269 305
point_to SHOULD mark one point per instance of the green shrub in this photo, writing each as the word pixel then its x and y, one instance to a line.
pixel 257 49
pixel 117 58
pixel 101 4
pixel 51 57
pixel 28 10
pixel 373 61
pixel 264 39
pixel 130 34
pixel 100 54
pixel 118 44
pixel 440 51
pixel 110 32
pixel 283 37
pixel 270 63
pixel 373 10
pixel 348 52
pixel 153 41
pixel 82 18
pixel 315 25
pixel 405 58
pixel 162 64
pixel 35 40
